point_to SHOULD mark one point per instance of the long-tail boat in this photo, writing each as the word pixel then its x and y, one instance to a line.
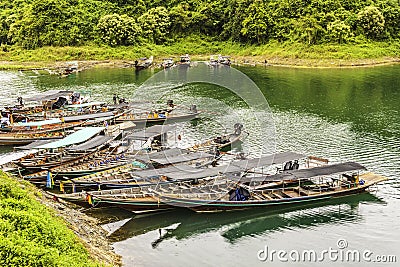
pixel 143 63
pixel 9 139
pixel 314 184
pixel 56 154
pixel 140 198
pixel 151 115
pixel 192 167
pixel 117 156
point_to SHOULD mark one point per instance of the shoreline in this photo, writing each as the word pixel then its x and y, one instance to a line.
pixel 85 227
pixel 236 61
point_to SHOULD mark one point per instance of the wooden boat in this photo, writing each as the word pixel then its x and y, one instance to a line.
pixel 160 115
pixel 224 60
pixel 157 117
pixel 223 142
pixel 213 62
pixel 137 173
pixel 181 224
pixel 137 199
pixel 179 167
pixel 15 139
pixel 184 61
pixel 39 102
pixel 323 187
pixel 56 154
pixel 168 63
pixel 147 193
pixel 136 144
pixel 77 112
pixel 143 63
pixel 38 127
pixel 219 60
pixel 6 160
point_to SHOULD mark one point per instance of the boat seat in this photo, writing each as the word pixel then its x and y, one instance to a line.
pixel 267 196
pixel 285 195
pixel 277 195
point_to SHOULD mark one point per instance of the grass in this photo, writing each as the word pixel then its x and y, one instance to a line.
pixel 30 234
pixel 202 48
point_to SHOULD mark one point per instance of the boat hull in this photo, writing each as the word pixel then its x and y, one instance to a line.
pixel 10 141
pixel 200 205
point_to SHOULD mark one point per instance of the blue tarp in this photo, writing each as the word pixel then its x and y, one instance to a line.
pixel 75 138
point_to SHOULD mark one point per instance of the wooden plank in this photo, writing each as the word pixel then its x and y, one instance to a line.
pixel 277 195
pixel 267 196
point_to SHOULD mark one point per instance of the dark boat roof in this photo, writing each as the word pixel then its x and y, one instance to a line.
pixel 51 94
pixel 309 173
pixel 163 171
pixel 277 158
pixel 183 172
pixel 35 144
pixel 183 158
pixel 92 143
pixel 172 152
pixel 152 131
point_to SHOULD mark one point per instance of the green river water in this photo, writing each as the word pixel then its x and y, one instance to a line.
pixel 339 114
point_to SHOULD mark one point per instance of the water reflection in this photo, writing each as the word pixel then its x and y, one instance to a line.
pixel 183 224
pixel 365 98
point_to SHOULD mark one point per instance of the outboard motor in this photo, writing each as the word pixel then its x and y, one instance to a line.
pixel 288 166
pixel 59 103
pixel 295 165
pixel 240 155
pixel 238 128
pixel 193 108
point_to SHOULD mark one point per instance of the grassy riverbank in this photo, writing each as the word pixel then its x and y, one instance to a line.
pixel 287 54
pixel 31 234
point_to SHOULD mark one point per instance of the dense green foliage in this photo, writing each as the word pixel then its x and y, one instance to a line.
pixel 30 235
pixel 37 23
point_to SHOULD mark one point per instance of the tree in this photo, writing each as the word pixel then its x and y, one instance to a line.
pixel 372 21
pixel 118 30
pixel 339 31
pixel 155 24
pixel 182 18
pixel 308 29
pixel 256 26
pixel 43 23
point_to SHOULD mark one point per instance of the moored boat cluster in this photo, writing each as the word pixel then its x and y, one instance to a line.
pixel 99 154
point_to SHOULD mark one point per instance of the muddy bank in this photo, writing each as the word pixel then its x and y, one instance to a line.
pixel 59 66
pixel 86 228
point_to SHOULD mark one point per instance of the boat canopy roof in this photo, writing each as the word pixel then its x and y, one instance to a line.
pixel 89 116
pixel 182 158
pixel 89 104
pixel 236 166
pixel 183 172
pixel 152 131
pixel 269 160
pixel 75 138
pixel 309 173
pixel 9 157
pixel 48 95
pixel 92 143
pixel 38 123
pixel 163 171
pixel 172 152
pixel 34 144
